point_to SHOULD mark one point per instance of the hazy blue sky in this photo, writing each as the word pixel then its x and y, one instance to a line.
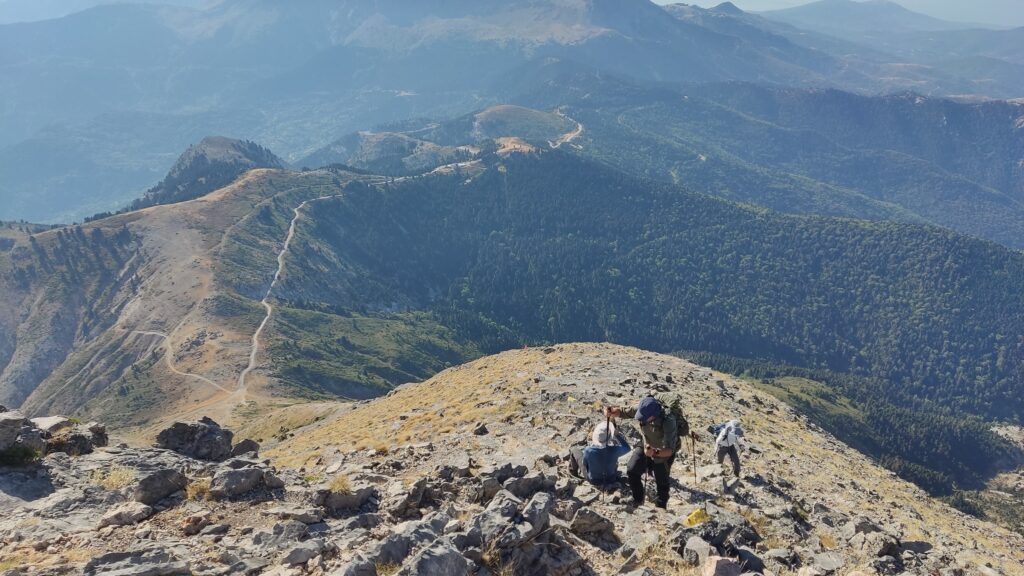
pixel 997 12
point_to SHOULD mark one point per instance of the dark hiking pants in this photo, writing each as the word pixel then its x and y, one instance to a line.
pixel 577 465
pixel 638 465
pixel 733 455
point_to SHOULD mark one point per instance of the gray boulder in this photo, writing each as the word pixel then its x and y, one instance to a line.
pixel 529 485
pixel 586 521
pixel 159 485
pixel 52 424
pixel 696 551
pixel 304 552
pixel 235 483
pixel 749 560
pixel 782 557
pixel 147 562
pixel 404 503
pixel 353 499
pixel 32 438
pixel 11 424
pixel 828 562
pixel 490 523
pixel 203 440
pixel 534 519
pixel 859 525
pixel 304 514
pixel 78 440
pixel 126 514
pixel 245 447
pixel 281 535
pixel 876 544
pixel 718 566
pixel 438 558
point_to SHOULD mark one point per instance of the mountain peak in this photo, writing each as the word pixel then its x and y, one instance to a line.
pixel 841 17
pixel 207 166
pixel 728 8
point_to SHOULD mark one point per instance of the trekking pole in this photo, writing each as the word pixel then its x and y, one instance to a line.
pixel 693 451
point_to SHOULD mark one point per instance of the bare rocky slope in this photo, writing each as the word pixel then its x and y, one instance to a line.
pixel 464 474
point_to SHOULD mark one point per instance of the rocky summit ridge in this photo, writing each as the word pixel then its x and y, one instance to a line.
pixel 466 474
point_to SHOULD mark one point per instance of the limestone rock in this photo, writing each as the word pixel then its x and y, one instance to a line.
pixel 202 440
pixel 828 562
pixel 353 499
pixel 78 440
pixel 126 514
pixel 306 515
pixel 587 521
pixel 235 483
pixel 696 551
pixel 529 484
pixel 245 447
pixel 146 562
pixel 159 485
pixel 52 424
pixel 11 424
pixel 303 552
pixel 438 558
pixel 718 566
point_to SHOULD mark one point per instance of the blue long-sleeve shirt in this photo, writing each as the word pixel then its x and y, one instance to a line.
pixel 602 464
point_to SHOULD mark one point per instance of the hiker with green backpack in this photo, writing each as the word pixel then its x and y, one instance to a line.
pixel 662 425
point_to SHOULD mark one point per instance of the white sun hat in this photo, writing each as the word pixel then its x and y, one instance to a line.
pixel 602 436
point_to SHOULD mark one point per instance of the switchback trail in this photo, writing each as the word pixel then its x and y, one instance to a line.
pixel 568 137
pixel 170 364
pixel 241 390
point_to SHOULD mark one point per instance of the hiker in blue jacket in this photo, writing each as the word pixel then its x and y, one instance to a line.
pixel 598 463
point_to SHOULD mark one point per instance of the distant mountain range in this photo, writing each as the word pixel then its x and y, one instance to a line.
pixel 852 18
pixel 94 118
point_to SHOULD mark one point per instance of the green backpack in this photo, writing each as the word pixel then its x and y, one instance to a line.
pixel 673 403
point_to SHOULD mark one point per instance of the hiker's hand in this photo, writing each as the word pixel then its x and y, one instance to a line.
pixel 650 451
pixel 612 411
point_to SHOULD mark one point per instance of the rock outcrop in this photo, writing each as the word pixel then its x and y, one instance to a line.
pixel 485 504
pixel 203 440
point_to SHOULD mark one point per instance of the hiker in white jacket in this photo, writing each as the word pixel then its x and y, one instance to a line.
pixel 727 444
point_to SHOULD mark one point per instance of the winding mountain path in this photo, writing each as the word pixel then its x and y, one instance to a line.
pixel 170 364
pixel 569 136
pixel 242 387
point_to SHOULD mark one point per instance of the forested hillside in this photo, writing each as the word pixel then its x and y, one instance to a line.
pixel 826 152
pixel 551 248
pixel 935 313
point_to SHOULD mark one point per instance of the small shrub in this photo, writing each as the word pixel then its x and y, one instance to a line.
pixel 19 456
pixel 828 541
pixel 492 560
pixel 113 478
pixel 384 569
pixel 198 489
pixel 341 484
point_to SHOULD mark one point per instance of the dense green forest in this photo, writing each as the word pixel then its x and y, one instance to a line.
pixel 939 449
pixel 902 157
pixel 918 327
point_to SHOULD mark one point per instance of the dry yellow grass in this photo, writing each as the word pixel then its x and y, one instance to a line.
pixel 341 484
pixel 386 569
pixel 113 478
pixel 828 541
pixel 198 489
pixel 473 392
